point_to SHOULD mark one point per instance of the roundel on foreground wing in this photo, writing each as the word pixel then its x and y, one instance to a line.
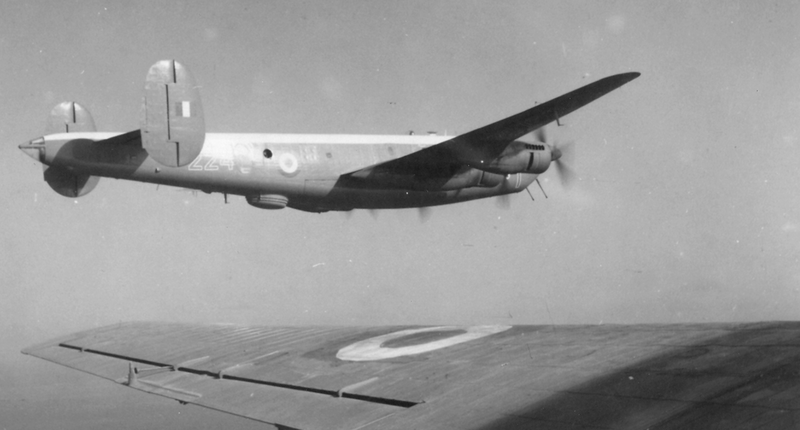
pixel 414 341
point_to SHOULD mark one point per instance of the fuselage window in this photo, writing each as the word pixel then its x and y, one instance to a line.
pixel 267 153
pixel 329 155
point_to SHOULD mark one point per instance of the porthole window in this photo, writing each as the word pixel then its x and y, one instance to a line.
pixel 267 153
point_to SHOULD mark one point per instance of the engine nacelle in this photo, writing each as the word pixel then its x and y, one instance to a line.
pixel 520 157
pixel 465 178
pixel 453 177
pixel 490 180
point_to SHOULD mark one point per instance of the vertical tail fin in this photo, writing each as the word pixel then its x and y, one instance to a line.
pixel 172 121
pixel 69 117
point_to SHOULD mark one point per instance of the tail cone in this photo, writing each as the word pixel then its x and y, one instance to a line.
pixel 34 149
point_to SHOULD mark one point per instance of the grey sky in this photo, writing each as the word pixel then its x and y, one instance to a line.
pixel 686 209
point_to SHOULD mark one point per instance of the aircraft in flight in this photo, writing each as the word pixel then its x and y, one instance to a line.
pixel 496 377
pixel 309 172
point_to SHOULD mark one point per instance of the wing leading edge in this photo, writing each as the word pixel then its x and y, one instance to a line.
pixel 488 142
pixel 482 378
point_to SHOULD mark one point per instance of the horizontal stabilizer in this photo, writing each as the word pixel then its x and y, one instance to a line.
pixel 172 122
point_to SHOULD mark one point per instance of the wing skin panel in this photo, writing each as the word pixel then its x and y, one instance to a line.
pixel 265 403
pixel 673 376
pixel 104 367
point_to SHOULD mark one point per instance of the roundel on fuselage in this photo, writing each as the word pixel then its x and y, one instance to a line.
pixel 288 164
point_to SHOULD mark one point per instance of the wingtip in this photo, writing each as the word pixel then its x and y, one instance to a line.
pixel 631 75
pixel 624 78
pixel 620 78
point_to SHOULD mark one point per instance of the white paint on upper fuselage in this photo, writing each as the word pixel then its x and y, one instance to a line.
pixel 327 139
pixel 317 156
pixel 274 138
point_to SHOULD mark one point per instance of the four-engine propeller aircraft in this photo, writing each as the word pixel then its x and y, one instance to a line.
pixel 314 173
pixel 680 376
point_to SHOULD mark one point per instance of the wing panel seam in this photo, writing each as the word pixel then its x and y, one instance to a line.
pixel 177 368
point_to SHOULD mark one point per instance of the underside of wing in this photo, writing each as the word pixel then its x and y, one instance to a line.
pixel 480 146
pixel 452 377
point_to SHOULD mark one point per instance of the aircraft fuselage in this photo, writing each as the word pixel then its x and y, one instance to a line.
pixel 302 171
pixel 314 173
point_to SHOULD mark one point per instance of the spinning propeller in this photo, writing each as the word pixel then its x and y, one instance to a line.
pixel 562 156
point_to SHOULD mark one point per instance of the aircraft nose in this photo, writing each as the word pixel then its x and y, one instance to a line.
pixel 35 148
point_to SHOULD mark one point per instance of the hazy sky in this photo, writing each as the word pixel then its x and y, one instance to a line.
pixel 686 209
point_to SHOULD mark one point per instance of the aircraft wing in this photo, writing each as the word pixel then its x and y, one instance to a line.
pixel 486 377
pixel 487 142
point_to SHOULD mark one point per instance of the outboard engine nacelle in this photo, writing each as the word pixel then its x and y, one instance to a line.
pixel 520 157
pixel 539 158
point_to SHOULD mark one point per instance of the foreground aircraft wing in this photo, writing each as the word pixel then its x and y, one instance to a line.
pixel 486 377
pixel 487 142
